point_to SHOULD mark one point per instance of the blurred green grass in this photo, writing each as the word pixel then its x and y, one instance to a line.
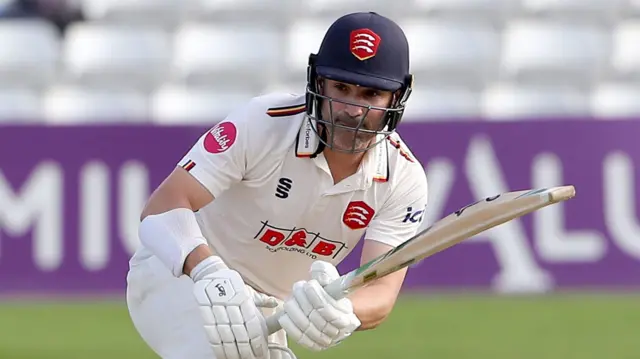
pixel 451 326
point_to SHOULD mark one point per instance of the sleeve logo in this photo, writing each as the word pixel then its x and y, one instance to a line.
pixel 221 137
pixel 413 216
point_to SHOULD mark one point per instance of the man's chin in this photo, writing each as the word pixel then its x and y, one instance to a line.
pixel 345 143
pixel 348 147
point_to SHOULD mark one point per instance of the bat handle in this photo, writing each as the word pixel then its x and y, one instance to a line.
pixel 334 289
pixel 272 322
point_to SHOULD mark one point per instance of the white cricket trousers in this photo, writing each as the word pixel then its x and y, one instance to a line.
pixel 165 313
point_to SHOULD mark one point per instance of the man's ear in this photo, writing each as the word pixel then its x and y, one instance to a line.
pixel 320 83
pixel 396 97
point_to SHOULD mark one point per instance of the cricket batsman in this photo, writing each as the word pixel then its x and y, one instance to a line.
pixel 257 214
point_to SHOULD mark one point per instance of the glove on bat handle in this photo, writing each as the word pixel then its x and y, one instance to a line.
pixel 335 289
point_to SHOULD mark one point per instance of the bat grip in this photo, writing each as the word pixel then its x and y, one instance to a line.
pixel 272 322
pixel 334 289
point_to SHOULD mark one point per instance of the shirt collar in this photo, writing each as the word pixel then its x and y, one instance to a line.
pixel 374 167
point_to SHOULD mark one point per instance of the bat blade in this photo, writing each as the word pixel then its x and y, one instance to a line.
pixel 449 231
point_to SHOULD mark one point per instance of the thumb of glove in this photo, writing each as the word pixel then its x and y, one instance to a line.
pixel 262 300
pixel 323 272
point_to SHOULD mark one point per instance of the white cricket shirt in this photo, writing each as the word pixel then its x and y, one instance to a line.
pixel 276 208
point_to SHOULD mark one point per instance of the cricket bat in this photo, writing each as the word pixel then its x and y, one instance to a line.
pixel 462 224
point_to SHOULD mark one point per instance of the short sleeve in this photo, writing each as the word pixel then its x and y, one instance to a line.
pixel 402 214
pixel 218 159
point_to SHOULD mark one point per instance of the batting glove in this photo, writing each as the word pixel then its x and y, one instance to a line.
pixel 311 317
pixel 235 327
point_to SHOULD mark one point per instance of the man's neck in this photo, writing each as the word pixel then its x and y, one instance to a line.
pixel 341 164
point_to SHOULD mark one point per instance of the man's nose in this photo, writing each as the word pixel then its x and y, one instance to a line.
pixel 354 111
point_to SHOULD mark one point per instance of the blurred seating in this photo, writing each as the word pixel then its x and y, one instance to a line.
pixel 19 105
pixel 625 57
pixel 336 8
pixel 545 50
pixel 615 100
pixel 59 13
pixel 630 10
pixel 508 102
pixel 116 55
pixel 178 104
pixel 551 52
pixel 442 104
pixel 575 10
pixel 302 38
pixel 165 13
pixel 295 86
pixel 29 52
pixel 245 11
pixel 471 10
pixel 65 104
pixel 214 54
pixel 452 52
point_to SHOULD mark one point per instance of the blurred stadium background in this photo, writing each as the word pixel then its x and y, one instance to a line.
pixel 100 98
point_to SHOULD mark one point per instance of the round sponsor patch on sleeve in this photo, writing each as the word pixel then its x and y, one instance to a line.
pixel 221 137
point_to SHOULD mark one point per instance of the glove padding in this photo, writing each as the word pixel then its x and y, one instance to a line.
pixel 234 325
pixel 311 317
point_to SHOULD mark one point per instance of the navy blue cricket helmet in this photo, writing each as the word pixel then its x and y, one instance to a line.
pixel 364 49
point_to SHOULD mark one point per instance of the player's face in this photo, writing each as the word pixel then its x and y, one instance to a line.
pixel 348 116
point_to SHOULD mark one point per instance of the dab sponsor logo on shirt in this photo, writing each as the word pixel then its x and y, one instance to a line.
pixel 298 240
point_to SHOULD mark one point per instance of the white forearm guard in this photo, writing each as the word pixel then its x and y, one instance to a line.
pixel 171 236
